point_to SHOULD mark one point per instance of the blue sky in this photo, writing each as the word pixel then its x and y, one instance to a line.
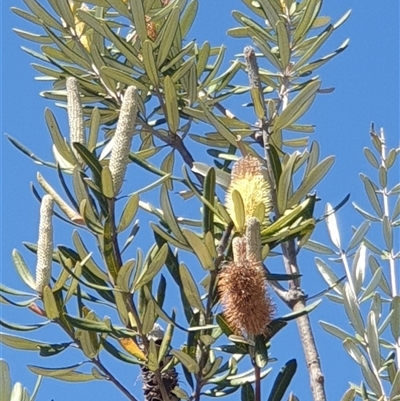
pixel 366 81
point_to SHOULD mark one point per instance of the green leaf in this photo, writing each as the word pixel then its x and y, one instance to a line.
pixel 372 196
pixel 88 324
pixel 123 77
pixel 124 275
pixel 331 223
pixel 283 44
pixel 148 60
pixel 5 381
pixel 317 247
pixel 21 327
pixel 62 374
pixel 387 232
pixel 8 290
pixel 22 269
pixel 395 387
pixel 129 212
pixel 107 183
pixel 190 288
pixel 188 17
pixel 200 249
pixel 20 342
pixel 219 126
pixel 149 317
pixel 50 304
pixel 66 51
pixel 139 19
pixel 285 182
pixel 209 194
pixel 370 377
pixel 395 320
pixel 166 342
pixel 298 106
pixel 153 268
pixel 309 15
pixel 352 310
pixel 152 357
pixel 307 309
pixel 239 217
pixel 358 235
pixel 358 268
pixel 373 341
pixel 375 281
pixel 168 213
pixel 247 393
pixel 329 276
pixel 349 395
pixel 168 238
pixel 43 15
pixel 371 157
pixel 108 249
pixel 167 36
pixel 283 380
pixel 171 104
pixel 315 175
pixel 334 330
pixel 53 349
pixel 190 364
pixel 247 377
pixel 267 52
pixel 270 12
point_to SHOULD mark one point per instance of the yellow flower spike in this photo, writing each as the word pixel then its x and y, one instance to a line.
pixel 249 181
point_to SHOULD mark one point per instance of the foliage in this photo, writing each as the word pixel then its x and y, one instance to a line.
pixel 128 73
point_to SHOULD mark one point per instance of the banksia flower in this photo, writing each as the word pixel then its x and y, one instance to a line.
pixel 242 285
pixel 151 388
pixel 75 115
pixel 45 244
pixel 123 138
pixel 248 179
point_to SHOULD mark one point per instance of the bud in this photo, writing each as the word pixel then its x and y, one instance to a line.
pixel 45 244
pixel 123 138
pixel 75 115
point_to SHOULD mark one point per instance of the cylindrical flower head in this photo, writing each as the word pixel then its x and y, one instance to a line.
pixel 248 178
pixel 123 138
pixel 75 115
pixel 247 307
pixel 45 244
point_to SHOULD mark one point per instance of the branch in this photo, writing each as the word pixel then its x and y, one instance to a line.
pixel 288 247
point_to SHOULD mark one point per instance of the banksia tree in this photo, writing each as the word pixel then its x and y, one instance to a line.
pixel 140 93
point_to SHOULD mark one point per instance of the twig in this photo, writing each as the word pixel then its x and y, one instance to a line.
pixel 114 380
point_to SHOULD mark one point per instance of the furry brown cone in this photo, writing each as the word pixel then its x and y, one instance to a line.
pixel 243 291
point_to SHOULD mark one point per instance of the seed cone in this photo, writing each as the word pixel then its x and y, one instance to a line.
pixel 243 291
pixel 169 377
pixel 151 389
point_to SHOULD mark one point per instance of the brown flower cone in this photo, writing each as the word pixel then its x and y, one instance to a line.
pixel 247 307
